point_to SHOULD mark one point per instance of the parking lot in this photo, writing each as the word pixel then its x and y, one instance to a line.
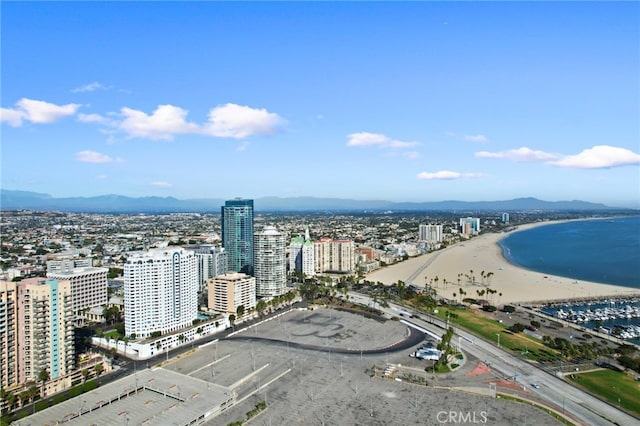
pixel 314 368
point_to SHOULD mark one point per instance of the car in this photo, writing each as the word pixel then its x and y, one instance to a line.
pixel 535 385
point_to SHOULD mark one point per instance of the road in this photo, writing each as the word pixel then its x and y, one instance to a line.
pixel 556 392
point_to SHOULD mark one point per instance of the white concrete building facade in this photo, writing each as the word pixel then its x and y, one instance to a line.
pixel 270 263
pixel 160 291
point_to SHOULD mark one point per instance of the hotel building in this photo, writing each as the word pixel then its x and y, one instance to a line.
pixel 270 263
pixel 160 291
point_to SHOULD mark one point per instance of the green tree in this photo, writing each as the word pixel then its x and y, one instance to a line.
pixel 85 375
pixel 99 368
pixel 240 311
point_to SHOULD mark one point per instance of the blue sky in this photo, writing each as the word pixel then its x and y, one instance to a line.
pixel 416 101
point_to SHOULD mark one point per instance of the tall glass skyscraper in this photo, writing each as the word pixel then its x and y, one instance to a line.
pixel 237 235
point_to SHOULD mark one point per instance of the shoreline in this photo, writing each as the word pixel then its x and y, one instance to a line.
pixel 481 256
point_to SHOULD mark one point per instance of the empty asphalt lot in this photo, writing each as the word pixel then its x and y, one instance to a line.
pixel 312 368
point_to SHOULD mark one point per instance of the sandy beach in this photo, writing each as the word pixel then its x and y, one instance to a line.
pixel 483 254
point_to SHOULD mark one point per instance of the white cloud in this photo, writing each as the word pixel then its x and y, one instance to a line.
pixel 412 155
pixel 165 122
pixel 92 157
pixel 448 175
pixel 89 87
pixel 11 116
pixel 92 118
pixel 161 184
pixel 102 177
pixel 376 139
pixel 36 112
pixel 522 154
pixel 366 139
pixel 238 121
pixel 598 157
pixel 229 120
pixel 476 138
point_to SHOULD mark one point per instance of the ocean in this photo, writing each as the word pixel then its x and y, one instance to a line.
pixel 603 250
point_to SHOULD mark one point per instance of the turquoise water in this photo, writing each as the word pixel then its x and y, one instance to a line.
pixel 603 250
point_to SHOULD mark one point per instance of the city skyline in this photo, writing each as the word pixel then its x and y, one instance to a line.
pixel 396 101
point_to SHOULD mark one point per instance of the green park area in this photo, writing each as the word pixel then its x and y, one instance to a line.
pixel 616 387
pixel 519 343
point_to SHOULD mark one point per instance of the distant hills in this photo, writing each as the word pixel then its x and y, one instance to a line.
pixel 25 200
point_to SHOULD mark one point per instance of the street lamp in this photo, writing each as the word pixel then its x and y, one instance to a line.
pixel 498 334
pixel 618 391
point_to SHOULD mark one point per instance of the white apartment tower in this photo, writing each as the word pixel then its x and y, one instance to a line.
pixel 88 286
pixel 228 291
pixel 160 291
pixel 301 255
pixel 430 233
pixel 270 262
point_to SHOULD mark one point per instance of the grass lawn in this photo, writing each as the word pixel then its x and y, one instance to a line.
pixel 611 385
pixel 489 329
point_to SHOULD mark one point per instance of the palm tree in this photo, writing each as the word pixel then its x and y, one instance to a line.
pixel 260 307
pixel 240 310
pixel 11 400
pixel 43 376
pixel 32 392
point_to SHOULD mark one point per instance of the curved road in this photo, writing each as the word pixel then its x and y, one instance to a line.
pixel 413 339
pixel 553 390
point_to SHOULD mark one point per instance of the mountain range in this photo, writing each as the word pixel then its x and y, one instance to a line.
pixel 25 200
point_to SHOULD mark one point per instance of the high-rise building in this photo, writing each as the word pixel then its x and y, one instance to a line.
pixel 270 263
pixel 301 255
pixel 160 291
pixel 470 225
pixel 67 265
pixel 88 286
pixel 212 261
pixel 505 217
pixel 334 255
pixel 8 335
pixel 237 235
pixel 45 328
pixel 228 291
pixel 430 233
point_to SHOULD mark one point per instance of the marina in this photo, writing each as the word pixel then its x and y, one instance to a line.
pixel 616 317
